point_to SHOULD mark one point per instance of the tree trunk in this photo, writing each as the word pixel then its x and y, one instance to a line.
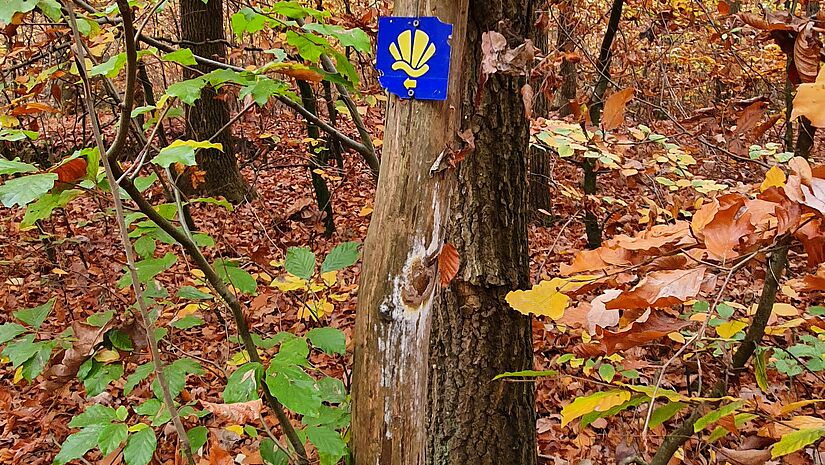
pixel 564 42
pixel 539 168
pixel 202 32
pixel 425 356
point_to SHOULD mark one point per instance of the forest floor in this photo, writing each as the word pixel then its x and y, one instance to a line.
pixel 82 264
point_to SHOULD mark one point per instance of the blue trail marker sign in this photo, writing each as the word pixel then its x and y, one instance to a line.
pixel 414 56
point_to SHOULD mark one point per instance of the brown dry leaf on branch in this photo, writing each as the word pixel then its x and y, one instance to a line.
pixel 661 289
pixel 614 108
pixel 238 413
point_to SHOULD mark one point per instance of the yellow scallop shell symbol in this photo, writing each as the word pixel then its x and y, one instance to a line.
pixel 411 53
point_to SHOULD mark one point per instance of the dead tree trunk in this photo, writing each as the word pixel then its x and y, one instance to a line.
pixel 202 32
pixel 425 356
pixel 569 73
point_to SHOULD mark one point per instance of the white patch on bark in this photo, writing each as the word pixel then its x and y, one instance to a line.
pixel 404 346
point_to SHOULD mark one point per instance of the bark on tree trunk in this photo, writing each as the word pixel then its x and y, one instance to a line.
pixel 202 32
pixel 539 168
pixel 564 42
pixel 425 356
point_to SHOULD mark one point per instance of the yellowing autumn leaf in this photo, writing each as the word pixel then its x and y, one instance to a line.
pixel 810 101
pixel 598 402
pixel 289 283
pixel 547 297
pixel 780 309
pixel 775 177
pixel 728 329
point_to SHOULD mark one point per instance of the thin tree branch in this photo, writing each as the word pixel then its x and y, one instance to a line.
pixel 113 151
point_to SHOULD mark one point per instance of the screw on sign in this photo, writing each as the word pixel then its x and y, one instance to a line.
pixel 414 56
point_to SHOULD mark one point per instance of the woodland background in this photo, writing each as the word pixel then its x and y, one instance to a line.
pixel 698 100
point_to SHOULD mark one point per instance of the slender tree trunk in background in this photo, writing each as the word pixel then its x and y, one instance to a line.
pixel 564 42
pixel 425 356
pixel 539 166
pixel 202 32
pixel 591 222
pixel 317 160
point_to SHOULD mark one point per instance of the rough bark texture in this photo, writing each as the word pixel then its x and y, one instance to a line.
pixel 475 333
pixel 569 73
pixel 396 292
pixel 202 32
pixel 425 356
pixel 539 166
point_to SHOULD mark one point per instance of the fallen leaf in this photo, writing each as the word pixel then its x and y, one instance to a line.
pixel 238 413
pixel 637 334
pixel 661 289
pixel 614 108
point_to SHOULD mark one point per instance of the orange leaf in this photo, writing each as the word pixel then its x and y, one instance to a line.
pixel 640 333
pixel 71 171
pixel 614 108
pixel 729 229
pixel 661 289
pixel 447 264
pixel 218 456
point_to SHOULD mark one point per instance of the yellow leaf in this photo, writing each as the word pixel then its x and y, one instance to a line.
pixel 289 283
pixel 107 356
pixel 810 101
pixel 786 409
pixel 545 298
pixel 676 337
pixel 598 402
pixel 775 177
pixel 784 310
pixel 18 375
pixel 779 429
pixel 728 329
pixel 237 429
pixel 366 211
pixel 59 272
pixel 330 277
pixel 238 359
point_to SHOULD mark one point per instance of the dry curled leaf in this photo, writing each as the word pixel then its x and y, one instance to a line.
pixel 614 108
pixel 447 264
pixel 238 413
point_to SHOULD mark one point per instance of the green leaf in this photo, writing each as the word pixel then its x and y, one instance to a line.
pixel 300 261
pixel 295 10
pixel 145 246
pixel 37 363
pixel 9 7
pixel 139 447
pixel 35 317
pixel 187 322
pixel 148 269
pixel 326 440
pixel 141 373
pixel 634 401
pixel 309 46
pixel 817 311
pixel 120 340
pixel 14 167
pixel 183 152
pixel 293 388
pixel 197 437
pixel 716 415
pixel 16 135
pixel 262 90
pixel 796 440
pixel 23 190
pixel 242 385
pixel 99 376
pixel 232 274
pixel 527 374
pixel 149 408
pixel 332 390
pixel 77 444
pixel 183 56
pixel 355 38
pixel 665 413
pixel 725 311
pixel 192 293
pixel 188 91
pixel 20 350
pixel 292 352
pixel 607 372
pixel 760 368
pixel 342 256
pixel 10 331
pixel 272 454
pixel 111 67
pixel 144 182
pixel 175 374
pixel 330 340
pixel 100 319
pixel 111 437
pixel 43 207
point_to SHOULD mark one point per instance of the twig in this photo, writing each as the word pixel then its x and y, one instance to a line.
pixel 114 150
